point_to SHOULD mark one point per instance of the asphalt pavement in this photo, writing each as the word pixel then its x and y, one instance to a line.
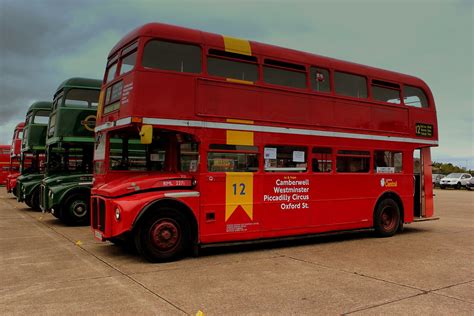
pixel 49 268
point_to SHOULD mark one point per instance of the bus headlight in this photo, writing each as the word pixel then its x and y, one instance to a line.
pixel 50 194
pixel 117 213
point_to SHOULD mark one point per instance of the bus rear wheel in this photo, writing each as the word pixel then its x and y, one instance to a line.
pixel 163 236
pixel 387 218
pixel 75 211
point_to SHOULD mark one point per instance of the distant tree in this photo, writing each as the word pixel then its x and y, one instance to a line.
pixel 447 168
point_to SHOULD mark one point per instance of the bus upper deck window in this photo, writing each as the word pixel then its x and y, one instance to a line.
pixel 320 80
pixel 350 85
pixel 413 96
pixel 172 56
pixel 128 62
pixel 111 72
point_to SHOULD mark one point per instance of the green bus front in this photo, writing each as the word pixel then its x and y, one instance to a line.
pixel 32 153
pixel 65 190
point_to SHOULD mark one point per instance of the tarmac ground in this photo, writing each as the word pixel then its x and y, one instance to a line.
pixel 49 268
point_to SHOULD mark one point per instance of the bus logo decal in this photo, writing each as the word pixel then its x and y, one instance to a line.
pixel 89 123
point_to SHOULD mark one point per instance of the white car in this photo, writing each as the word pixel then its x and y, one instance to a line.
pixel 455 180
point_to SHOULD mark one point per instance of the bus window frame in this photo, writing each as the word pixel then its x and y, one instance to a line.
pixel 224 79
pixel 402 91
pixel 369 156
pixel 143 41
pixel 262 64
pixel 368 98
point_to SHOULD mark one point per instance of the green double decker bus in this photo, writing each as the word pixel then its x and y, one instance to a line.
pixel 33 153
pixel 65 189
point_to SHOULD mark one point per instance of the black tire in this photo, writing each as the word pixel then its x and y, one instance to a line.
pixel 442 187
pixel 34 199
pixel 76 210
pixel 458 186
pixel 27 202
pixel 56 214
pixel 387 218
pixel 162 236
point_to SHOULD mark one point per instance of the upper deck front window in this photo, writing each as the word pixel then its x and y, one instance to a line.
pixel 111 71
pixel 172 56
pixel 82 98
pixel 41 117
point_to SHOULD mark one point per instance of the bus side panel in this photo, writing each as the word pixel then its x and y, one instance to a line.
pixel 428 181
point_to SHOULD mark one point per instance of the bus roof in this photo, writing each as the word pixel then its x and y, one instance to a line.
pixel 80 82
pixel 20 125
pixel 167 31
pixel 40 105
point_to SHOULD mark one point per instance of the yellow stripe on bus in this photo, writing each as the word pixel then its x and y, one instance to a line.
pixel 239 121
pixel 239 138
pixel 239 81
pixel 237 45
pixel 100 105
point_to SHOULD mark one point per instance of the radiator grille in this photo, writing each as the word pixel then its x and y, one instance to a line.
pixel 98 214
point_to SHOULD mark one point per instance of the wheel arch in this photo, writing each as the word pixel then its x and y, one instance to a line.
pixel 71 191
pixel 170 203
pixel 394 196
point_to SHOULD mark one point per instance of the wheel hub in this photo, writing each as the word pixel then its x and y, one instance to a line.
pixel 387 219
pixel 165 235
pixel 79 208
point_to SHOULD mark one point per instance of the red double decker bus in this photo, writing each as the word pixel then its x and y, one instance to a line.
pixel 4 163
pixel 15 157
pixel 204 139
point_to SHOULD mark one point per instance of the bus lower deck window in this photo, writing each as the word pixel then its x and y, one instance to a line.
pixel 353 161
pixel 387 161
pixel 285 158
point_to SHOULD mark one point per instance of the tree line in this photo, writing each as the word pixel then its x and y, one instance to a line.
pixel 447 168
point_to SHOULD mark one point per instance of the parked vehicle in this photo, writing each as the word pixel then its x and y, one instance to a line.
pixel 455 180
pixel 436 178
pixel 33 154
pixel 470 184
pixel 65 189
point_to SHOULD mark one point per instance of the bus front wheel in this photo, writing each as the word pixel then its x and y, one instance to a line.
pixel 76 210
pixel 387 218
pixel 162 236
pixel 33 200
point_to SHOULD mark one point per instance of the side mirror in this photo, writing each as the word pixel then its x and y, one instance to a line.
pixel 146 134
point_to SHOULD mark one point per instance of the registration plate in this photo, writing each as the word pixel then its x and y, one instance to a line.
pixel 98 235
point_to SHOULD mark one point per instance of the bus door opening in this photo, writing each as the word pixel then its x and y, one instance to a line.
pixel 423 186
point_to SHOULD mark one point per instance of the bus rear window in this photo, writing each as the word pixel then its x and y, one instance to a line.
pixel 172 56
pixel 413 96
pixel 350 85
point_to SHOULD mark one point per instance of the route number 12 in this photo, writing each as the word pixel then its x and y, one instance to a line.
pixel 241 186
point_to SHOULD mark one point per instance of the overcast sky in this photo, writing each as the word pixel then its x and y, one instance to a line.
pixel 44 42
